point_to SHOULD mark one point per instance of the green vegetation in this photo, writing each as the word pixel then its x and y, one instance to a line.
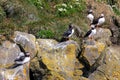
pixel 45 34
pixel 65 9
pixel 56 16
pixel 2 14
pixel 37 3
pixel 116 11
pixel 113 4
pixel 7 28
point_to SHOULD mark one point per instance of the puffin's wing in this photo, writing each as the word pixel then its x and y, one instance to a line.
pixel 20 59
pixel 13 66
pixel 95 21
pixel 21 48
pixel 88 33
pixel 26 59
pixel 67 33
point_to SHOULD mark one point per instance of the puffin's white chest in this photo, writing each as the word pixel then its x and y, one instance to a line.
pixel 101 21
pixel 92 33
pixel 90 17
pixel 71 33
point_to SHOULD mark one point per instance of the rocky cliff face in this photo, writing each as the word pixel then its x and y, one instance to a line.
pixel 98 58
pixel 110 69
pixel 59 59
pixel 51 60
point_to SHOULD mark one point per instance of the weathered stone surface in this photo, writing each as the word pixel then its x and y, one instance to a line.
pixel 103 35
pixel 8 52
pixel 19 73
pixel 57 61
pixel 92 52
pixel 27 41
pixel 59 58
pixel 115 33
pixel 110 70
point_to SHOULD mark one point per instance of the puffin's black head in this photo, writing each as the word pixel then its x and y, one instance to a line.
pixel 70 26
pixel 27 54
pixel 92 28
pixel 90 11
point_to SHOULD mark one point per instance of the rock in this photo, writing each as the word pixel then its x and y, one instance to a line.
pixel 97 76
pixel 8 52
pixel 115 29
pixel 92 56
pixel 58 58
pixel 101 62
pixel 110 70
pixel 115 33
pixel 27 41
pixel 19 73
pixel 92 52
pixel 103 35
pixel 52 60
pixel 83 78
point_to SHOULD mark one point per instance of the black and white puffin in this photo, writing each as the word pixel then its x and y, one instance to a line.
pixel 22 58
pixel 90 15
pixel 101 20
pixel 68 33
pixel 90 33
pixel 98 22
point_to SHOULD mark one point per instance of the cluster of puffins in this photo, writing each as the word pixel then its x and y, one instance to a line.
pixel 94 24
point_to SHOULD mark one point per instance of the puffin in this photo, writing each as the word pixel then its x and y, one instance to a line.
pixel 101 20
pixel 90 15
pixel 98 22
pixel 68 33
pixel 90 33
pixel 21 59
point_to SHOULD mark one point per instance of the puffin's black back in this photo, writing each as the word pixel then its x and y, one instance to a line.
pixel 95 21
pixel 67 33
pixel 20 59
pixel 88 33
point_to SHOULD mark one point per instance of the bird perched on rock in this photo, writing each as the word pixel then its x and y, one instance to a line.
pixel 68 33
pixel 98 22
pixel 101 20
pixel 22 58
pixel 90 15
pixel 90 33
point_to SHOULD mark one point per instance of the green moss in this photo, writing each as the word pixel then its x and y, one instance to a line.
pixel 45 34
